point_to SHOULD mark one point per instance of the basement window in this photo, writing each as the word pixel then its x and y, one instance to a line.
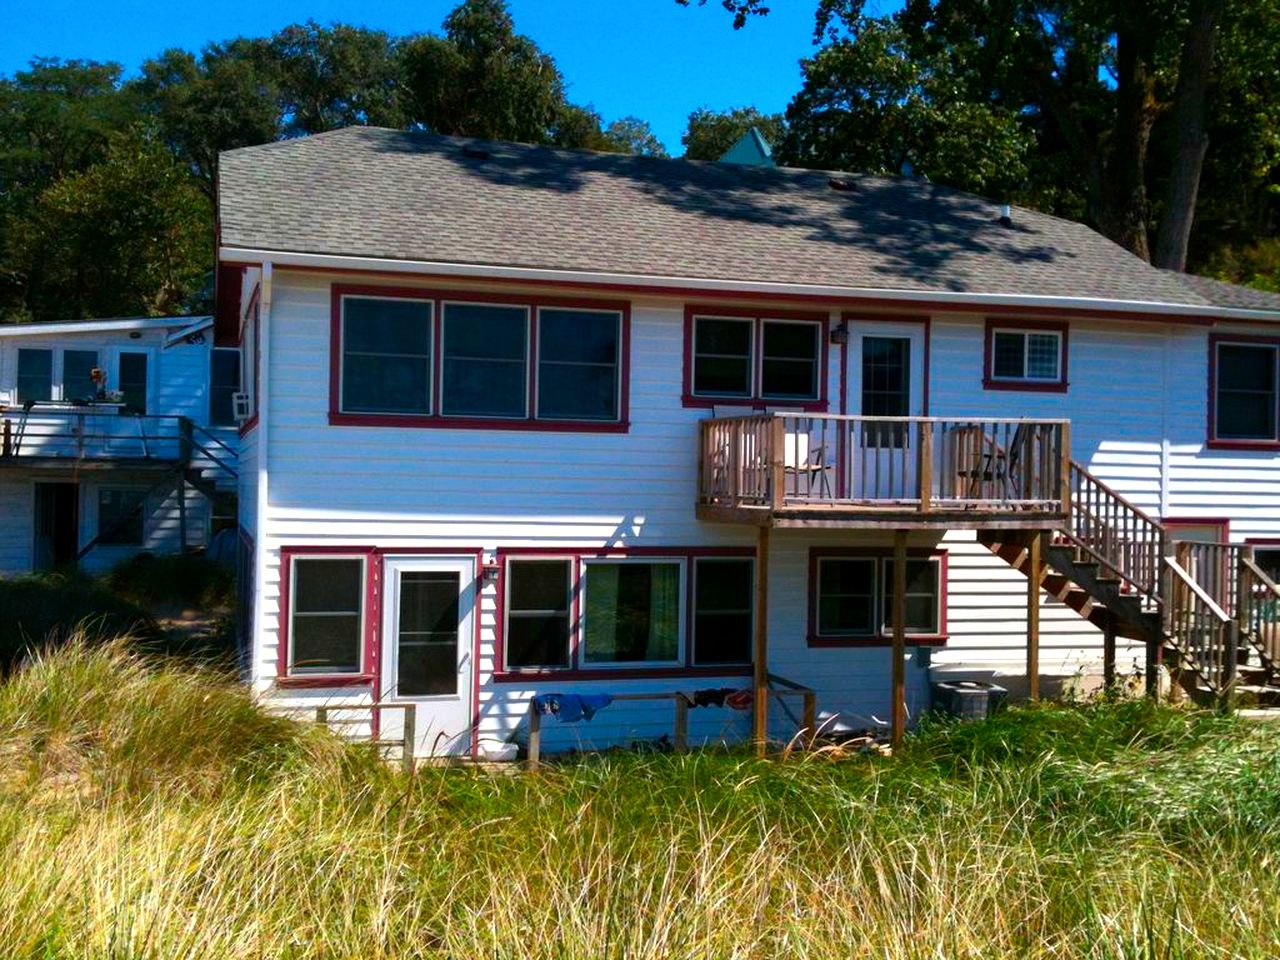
pixel 121 516
pixel 326 616
pixel 851 597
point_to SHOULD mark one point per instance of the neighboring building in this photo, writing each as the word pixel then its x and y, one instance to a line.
pixel 528 421
pixel 119 437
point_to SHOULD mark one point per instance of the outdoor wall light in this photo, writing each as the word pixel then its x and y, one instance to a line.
pixel 840 334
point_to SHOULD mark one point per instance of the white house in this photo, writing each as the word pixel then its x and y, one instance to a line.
pixel 118 437
pixel 529 422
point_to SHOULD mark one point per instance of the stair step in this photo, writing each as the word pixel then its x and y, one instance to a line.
pixel 1253 676
pixel 1257 695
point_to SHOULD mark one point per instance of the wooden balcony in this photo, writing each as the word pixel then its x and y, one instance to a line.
pixel 824 470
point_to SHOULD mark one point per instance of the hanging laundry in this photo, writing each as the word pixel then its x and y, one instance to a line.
pixel 739 700
pixel 571 707
pixel 711 697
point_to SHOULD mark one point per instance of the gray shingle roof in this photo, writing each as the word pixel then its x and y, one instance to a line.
pixel 1231 295
pixel 374 192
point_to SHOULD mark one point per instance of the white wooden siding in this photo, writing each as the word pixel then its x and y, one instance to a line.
pixel 1137 400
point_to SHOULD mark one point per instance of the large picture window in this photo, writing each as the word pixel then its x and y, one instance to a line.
pixel 667 614
pixel 326 618
pixel 851 597
pixel 35 375
pixel 759 359
pixel 418 359
pixel 1246 391
pixel 632 612
pixel 1025 357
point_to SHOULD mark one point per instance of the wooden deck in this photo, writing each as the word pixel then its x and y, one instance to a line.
pixel 788 470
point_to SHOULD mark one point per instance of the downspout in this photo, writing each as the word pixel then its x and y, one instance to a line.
pixel 263 389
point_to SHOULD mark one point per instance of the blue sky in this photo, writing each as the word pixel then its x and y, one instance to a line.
pixel 650 58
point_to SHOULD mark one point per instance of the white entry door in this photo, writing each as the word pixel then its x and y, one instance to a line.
pixel 428 605
pixel 885 379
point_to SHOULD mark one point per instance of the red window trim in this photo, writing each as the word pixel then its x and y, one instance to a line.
pixel 436 419
pixel 690 399
pixel 989 381
pixel 1222 523
pixel 369 635
pixel 576 670
pixel 877 554
pixel 1211 427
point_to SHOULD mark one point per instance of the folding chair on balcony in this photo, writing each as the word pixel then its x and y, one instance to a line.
pixel 994 464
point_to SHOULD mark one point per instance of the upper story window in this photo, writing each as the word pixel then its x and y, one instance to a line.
pixel 224 383
pixel 35 375
pixel 408 358
pixel 1245 401
pixel 45 373
pixel 1021 356
pixel 754 359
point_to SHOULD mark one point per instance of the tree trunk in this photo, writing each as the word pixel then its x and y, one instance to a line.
pixel 1194 73
pixel 1123 216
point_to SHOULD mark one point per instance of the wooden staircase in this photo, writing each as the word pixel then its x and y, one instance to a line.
pixel 1203 610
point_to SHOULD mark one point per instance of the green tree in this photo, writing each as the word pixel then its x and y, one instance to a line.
pixel 129 234
pixel 710 133
pixel 633 135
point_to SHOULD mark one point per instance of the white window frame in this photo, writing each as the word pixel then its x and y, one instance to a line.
pixel 752 351
pixel 571 561
pixel 682 610
pixel 817 361
pixel 692 617
pixel 876 578
pixel 528 344
pixel 342 355
pixel 886 588
pixel 535 366
pixel 755 359
pixel 1025 333
pixel 1217 389
pixel 294 671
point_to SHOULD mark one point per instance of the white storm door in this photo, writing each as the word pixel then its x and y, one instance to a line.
pixel 427 629
pixel 885 379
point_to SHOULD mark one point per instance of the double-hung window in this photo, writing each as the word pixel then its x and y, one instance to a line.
pixel 1026 357
pixel 851 598
pixel 326 615
pixel 35 375
pixel 449 360
pixel 755 359
pixel 1246 391
pixel 608 612
pixel 77 374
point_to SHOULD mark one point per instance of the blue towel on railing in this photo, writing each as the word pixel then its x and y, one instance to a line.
pixel 571 707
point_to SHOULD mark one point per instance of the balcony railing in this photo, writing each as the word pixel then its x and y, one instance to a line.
pixel 822 463
pixel 52 432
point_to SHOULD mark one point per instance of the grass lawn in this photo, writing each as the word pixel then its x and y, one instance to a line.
pixel 154 812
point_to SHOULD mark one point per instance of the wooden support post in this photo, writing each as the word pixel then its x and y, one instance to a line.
pixel 1034 572
pixel 777 461
pixel 1064 468
pixel 1170 601
pixel 760 658
pixel 682 723
pixel 7 449
pixel 1109 656
pixel 924 468
pixel 322 716
pixel 899 636
pixel 535 736
pixel 810 718
pixel 410 736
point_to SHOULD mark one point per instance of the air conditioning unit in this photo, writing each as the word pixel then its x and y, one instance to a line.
pixel 241 408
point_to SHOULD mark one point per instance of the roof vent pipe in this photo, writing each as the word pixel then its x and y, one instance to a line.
pixel 1006 215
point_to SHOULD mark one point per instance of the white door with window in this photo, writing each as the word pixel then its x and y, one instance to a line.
pixel 427 631
pixel 885 379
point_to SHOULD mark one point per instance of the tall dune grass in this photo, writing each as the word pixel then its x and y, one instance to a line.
pixel 152 811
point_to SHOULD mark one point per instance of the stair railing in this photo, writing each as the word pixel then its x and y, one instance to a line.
pixel 1204 633
pixel 1115 533
pixel 1260 617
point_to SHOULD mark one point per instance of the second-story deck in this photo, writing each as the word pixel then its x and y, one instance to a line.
pixel 825 470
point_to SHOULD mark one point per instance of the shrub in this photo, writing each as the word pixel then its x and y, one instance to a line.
pixel 191 580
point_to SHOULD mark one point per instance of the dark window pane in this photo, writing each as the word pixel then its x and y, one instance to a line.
pixel 121 517
pixel 846 591
pixel 427 656
pixel 485 361
pixel 578 365
pixel 224 382
pixel 1007 356
pixel 132 381
pixel 722 357
pixel 537 631
pixel 386 356
pixel 35 375
pixel 632 612
pixel 327 605
pixel 1246 384
pixel 921 597
pixel 789 366
pixel 723 601
pixel 327 586
pixel 886 381
pixel 77 365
